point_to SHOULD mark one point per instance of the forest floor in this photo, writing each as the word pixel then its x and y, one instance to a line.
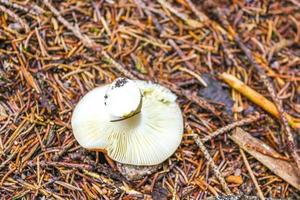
pixel 235 68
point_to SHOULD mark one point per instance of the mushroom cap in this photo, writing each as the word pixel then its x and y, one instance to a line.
pixel 147 138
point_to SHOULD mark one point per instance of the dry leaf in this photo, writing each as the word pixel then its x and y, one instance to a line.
pixel 282 168
pixel 217 93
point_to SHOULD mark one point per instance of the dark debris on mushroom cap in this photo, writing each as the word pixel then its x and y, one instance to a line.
pixel 121 82
pixel 105 99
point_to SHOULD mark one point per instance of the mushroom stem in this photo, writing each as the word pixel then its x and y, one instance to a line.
pixel 123 99
pixel 137 111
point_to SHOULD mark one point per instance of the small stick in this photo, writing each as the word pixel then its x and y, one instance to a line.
pixel 291 147
pixel 257 98
pixel 174 193
pixel 202 17
pixel 211 162
pixel 190 65
pixel 88 42
pixel 35 9
pixel 197 76
pixel 231 126
pixel 64 150
pixel 278 104
pixel 259 192
pixel 62 164
pixel 295 2
pixel 15 17
pixel 193 97
pixel 191 22
pixel 27 75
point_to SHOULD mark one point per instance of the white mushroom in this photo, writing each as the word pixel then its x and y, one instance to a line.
pixel 136 122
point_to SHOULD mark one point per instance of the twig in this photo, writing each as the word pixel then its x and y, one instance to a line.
pixel 15 17
pixel 192 23
pixel 35 10
pixel 211 162
pixel 259 192
pixel 64 150
pixel 278 104
pixel 142 5
pixel 64 164
pixel 257 98
pixel 231 126
pixel 202 17
pixel 295 2
pixel 190 66
pixel 197 76
pixel 193 98
pixel 88 42
pixel 289 137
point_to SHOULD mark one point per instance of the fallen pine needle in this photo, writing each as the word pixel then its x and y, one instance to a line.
pixel 259 192
pixel 191 22
pixel 229 127
pixel 198 77
pixel 211 162
pixel 15 17
pixel 205 186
